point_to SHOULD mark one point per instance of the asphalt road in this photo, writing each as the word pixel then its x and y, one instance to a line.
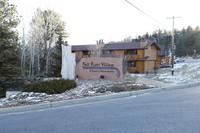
pixel 176 111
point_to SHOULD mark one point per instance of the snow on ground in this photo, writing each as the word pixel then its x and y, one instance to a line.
pixel 186 72
pixel 83 89
pixel 26 98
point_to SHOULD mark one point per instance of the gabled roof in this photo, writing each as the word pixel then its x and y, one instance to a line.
pixel 153 43
pixel 117 46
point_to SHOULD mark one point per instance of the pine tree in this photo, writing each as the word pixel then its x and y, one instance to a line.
pixel 57 57
pixel 9 47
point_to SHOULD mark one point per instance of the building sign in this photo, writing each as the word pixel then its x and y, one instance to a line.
pixel 100 68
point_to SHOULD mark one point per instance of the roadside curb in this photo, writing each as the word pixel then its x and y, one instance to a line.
pixel 91 99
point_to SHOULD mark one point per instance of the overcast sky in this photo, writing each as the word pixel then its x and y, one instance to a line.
pixel 113 20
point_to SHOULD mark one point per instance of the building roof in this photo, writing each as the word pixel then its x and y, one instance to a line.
pixel 117 46
pixel 161 52
pixel 80 47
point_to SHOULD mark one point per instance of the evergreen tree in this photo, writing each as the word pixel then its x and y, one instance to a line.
pixel 57 56
pixel 187 41
pixel 9 52
pixel 9 47
pixel 196 49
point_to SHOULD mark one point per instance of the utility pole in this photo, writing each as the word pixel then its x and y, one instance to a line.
pixel 172 50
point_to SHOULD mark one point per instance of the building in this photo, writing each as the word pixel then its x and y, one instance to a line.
pixel 163 60
pixel 139 57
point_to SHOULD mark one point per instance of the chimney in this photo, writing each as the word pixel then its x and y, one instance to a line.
pixel 143 44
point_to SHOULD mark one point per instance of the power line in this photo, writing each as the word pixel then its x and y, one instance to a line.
pixel 145 13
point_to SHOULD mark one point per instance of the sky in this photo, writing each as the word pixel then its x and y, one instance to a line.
pixel 112 20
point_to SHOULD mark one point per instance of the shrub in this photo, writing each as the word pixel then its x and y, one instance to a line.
pixel 9 83
pixel 50 87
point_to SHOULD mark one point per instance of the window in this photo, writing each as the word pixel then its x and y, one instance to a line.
pixel 85 52
pixel 109 52
pixel 134 52
pixel 131 64
pixel 112 52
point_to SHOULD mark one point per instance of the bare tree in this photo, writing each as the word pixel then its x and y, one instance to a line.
pixel 96 50
pixel 23 54
pixel 45 28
